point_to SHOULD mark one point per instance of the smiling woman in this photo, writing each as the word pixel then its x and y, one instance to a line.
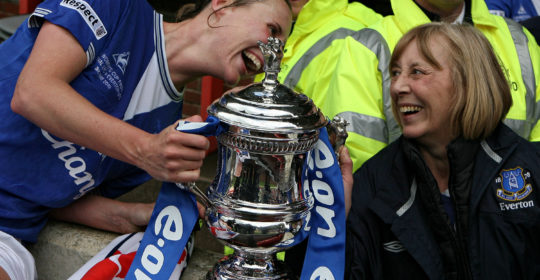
pixel 421 92
pixel 438 66
pixel 93 90
pixel 452 198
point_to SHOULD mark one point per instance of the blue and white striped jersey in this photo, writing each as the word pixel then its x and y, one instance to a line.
pixel 126 76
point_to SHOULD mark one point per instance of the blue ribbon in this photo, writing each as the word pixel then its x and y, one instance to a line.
pixel 325 255
pixel 172 221
pixel 325 225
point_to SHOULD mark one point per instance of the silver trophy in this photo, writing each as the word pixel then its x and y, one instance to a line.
pixel 256 203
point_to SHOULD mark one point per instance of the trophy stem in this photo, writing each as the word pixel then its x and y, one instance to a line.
pixel 241 265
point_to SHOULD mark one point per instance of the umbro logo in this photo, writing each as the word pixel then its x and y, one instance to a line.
pixel 394 247
pixel 121 61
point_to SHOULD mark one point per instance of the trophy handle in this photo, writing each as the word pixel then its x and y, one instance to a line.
pixel 192 187
pixel 337 132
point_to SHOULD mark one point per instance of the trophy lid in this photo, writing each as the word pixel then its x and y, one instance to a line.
pixel 269 106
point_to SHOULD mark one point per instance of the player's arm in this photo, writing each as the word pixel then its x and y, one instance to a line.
pixel 44 96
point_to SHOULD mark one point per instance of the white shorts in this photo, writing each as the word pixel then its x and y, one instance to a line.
pixel 15 259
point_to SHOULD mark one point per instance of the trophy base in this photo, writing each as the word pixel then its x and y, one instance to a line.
pixel 243 267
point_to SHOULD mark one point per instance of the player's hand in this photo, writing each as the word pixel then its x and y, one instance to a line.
pixel 174 156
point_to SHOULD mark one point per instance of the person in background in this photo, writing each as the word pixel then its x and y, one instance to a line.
pixel 306 65
pixel 90 97
pixel 359 89
pixel 526 12
pixel 518 10
pixel 456 196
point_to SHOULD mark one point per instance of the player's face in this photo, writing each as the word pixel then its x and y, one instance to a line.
pixel 242 27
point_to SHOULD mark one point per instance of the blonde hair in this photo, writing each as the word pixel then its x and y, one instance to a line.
pixel 482 93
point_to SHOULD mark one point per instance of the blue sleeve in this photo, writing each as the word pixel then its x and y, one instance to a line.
pixel 500 7
pixel 91 22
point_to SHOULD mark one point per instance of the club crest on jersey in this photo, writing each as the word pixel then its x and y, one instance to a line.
pixel 514 184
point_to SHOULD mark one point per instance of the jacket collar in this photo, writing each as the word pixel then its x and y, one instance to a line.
pixel 481 14
pixel 315 12
pixel 408 14
pixel 397 190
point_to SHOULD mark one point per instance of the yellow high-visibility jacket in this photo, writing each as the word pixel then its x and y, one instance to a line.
pixel 358 88
pixel 309 58
pixel 319 25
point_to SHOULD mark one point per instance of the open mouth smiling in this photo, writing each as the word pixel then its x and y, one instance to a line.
pixel 409 109
pixel 253 64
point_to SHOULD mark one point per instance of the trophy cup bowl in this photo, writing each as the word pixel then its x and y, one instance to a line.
pixel 257 204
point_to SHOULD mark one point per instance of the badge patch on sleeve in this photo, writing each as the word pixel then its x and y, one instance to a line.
pixel 88 14
pixel 514 184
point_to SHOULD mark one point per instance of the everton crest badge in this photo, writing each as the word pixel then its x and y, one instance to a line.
pixel 514 184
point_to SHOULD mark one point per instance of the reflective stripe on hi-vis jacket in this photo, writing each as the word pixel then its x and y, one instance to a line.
pixel 296 72
pixel 524 127
pixel 372 127
pixel 319 24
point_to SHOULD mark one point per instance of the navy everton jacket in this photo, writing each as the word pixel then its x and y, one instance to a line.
pixel 398 227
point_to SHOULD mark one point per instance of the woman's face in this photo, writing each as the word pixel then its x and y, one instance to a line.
pixel 240 28
pixel 423 94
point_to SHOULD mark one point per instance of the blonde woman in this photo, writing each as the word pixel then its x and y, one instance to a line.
pixel 455 197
